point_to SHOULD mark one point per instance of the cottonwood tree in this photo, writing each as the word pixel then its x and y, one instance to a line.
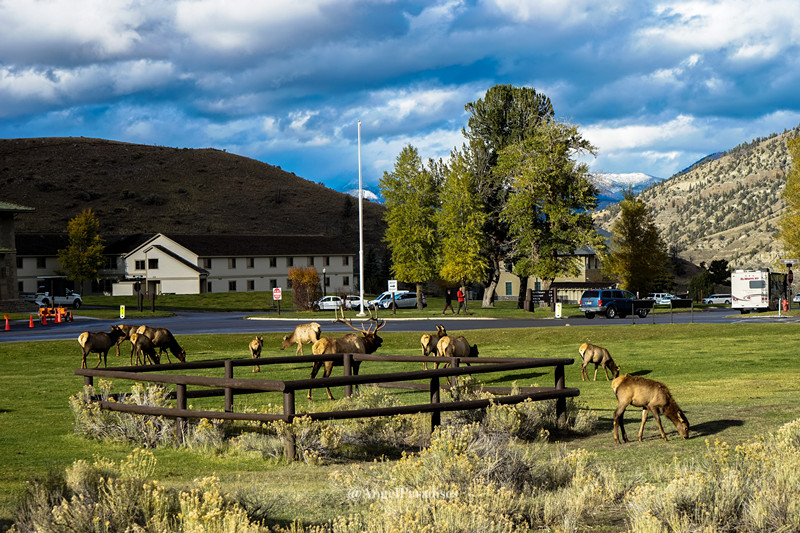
pixel 460 220
pixel 789 232
pixel 83 258
pixel 548 210
pixel 638 255
pixel 410 199
pixel 505 115
pixel 305 286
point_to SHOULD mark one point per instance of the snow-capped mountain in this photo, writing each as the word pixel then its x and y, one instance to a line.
pixel 610 186
pixel 368 195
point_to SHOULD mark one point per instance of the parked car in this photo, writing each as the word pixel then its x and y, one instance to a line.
pixel 796 298
pixel 328 303
pixel 403 300
pixel 662 298
pixel 353 301
pixel 719 299
pixel 611 303
pixel 382 299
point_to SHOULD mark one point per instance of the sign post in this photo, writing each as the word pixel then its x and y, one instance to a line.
pixel 122 312
pixel 276 296
pixel 393 289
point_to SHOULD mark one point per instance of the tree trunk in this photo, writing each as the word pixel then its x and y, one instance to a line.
pixel 419 297
pixel 490 286
pixel 523 289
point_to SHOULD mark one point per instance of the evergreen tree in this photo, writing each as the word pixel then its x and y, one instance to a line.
pixel 83 258
pixel 789 232
pixel 410 199
pixel 638 255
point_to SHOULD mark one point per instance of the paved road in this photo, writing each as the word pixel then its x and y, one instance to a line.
pixel 186 323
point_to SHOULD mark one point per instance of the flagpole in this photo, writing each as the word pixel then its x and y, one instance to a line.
pixel 360 229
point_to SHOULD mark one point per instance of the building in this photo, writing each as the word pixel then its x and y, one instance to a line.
pixel 9 285
pixel 195 264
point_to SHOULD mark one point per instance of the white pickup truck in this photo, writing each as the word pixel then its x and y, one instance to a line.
pixel 69 299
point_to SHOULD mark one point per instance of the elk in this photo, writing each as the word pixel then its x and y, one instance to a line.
pixel 99 343
pixel 455 347
pixel 165 342
pixel 127 332
pixel 141 344
pixel 428 342
pixel 367 342
pixel 650 395
pixel 600 357
pixel 304 333
pixel 255 350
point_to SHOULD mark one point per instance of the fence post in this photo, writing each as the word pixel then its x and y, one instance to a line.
pixel 289 450
pixel 88 381
pixel 436 416
pixel 228 390
pixel 561 403
pixel 180 400
pixel 347 365
pixel 454 379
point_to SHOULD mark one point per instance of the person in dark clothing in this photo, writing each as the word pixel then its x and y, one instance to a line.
pixel 448 301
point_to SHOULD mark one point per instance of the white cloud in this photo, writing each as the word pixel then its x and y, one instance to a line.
pixel 629 136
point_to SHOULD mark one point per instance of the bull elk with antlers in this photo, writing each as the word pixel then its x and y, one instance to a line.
pixel 367 342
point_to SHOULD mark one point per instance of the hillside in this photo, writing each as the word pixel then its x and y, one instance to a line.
pixel 724 207
pixel 138 188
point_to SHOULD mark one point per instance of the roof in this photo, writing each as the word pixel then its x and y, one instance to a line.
pixel 15 208
pixel 263 245
pixel 40 244
pixel 201 271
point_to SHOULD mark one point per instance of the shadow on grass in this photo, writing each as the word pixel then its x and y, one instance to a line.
pixel 712 427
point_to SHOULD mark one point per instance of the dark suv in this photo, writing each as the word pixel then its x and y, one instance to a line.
pixel 612 303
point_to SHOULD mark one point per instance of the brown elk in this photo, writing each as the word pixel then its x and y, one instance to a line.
pixel 165 342
pixel 255 350
pixel 367 342
pixel 99 343
pixel 304 333
pixel 455 347
pixel 428 342
pixel 141 344
pixel 127 332
pixel 650 395
pixel 600 357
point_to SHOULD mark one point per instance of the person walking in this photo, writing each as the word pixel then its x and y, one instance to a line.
pixel 461 301
pixel 448 301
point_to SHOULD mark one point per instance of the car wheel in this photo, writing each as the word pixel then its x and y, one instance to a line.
pixel 46 302
pixel 76 304
pixel 316 307
pixel 589 315
pixel 642 313
pixel 611 312
pixel 727 302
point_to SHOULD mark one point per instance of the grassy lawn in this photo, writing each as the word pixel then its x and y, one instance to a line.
pixel 733 381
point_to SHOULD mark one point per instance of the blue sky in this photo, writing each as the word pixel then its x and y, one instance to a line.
pixel 654 85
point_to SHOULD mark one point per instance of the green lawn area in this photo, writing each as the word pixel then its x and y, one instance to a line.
pixel 733 381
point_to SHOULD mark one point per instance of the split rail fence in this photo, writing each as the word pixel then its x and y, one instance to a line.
pixel 228 387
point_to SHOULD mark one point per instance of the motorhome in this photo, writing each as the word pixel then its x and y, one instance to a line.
pixel 758 290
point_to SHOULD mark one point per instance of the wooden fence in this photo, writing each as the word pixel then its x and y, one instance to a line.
pixel 228 386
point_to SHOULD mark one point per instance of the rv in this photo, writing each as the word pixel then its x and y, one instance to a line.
pixel 758 290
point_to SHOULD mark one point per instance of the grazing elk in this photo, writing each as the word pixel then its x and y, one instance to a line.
pixel 141 344
pixel 99 343
pixel 127 332
pixel 455 347
pixel 600 357
pixel 165 342
pixel 650 395
pixel 428 342
pixel 255 350
pixel 367 342
pixel 304 333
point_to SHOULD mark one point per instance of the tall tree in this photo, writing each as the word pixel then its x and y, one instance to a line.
pixel 410 198
pixel 638 254
pixel 83 258
pixel 789 224
pixel 505 115
pixel 461 220
pixel 549 208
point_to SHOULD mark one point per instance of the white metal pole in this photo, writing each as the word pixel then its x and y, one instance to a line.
pixel 360 229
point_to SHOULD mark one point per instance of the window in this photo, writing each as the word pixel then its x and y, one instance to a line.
pixel 328 281
pixel 311 261
pixel 231 262
pixel 326 261
pixel 273 262
pixel 273 284
pixel 19 262
pixel 251 284
pixel 139 265
pixel 206 262
pixel 152 263
pixel 111 262
pixel 509 288
pixel 346 281
pixel 232 286
pixel 41 262
pixel 290 261
pixel 208 286
pixel 251 262
pixel 345 260
pixel 20 286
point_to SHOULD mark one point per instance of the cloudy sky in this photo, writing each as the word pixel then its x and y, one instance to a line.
pixel 654 85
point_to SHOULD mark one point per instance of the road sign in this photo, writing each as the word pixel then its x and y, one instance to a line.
pixel 276 293
pixel 392 285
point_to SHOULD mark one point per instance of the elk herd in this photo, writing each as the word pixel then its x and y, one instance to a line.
pixel 652 396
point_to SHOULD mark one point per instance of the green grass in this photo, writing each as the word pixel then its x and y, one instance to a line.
pixel 733 381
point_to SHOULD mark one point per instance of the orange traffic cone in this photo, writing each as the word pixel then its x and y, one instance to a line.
pixel 30 322
pixel 7 326
pixel 58 316
pixel 44 319
pixel 70 316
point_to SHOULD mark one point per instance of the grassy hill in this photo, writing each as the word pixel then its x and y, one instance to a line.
pixel 137 188
pixel 724 207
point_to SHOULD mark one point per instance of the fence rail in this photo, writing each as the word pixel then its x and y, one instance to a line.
pixel 228 387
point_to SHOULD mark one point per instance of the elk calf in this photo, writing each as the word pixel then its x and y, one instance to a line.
pixel 127 331
pixel 141 344
pixel 99 343
pixel 165 342
pixel 600 357
pixel 428 343
pixel 304 333
pixel 650 395
pixel 255 350
pixel 455 347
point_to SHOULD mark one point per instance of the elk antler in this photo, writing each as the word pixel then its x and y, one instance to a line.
pixel 378 323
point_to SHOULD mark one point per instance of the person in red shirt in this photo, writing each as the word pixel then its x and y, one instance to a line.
pixel 461 301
